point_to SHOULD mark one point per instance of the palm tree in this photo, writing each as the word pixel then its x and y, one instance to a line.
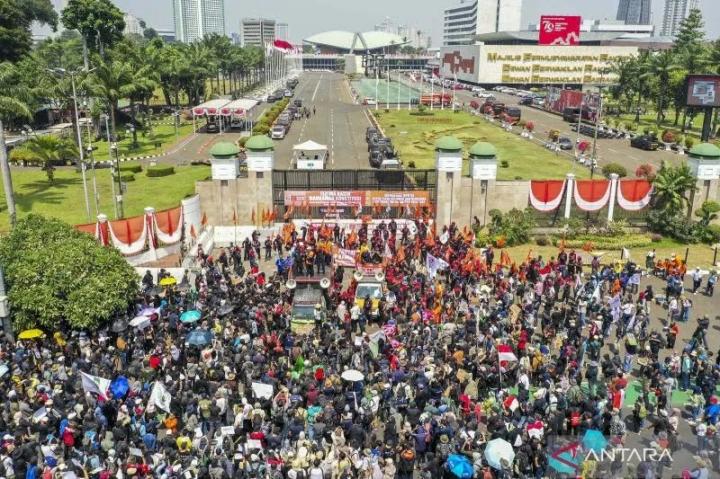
pixel 111 81
pixel 51 149
pixel 671 189
pixel 13 104
pixel 661 66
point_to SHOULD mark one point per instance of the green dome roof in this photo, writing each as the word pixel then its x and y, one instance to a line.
pixel 705 150
pixel 448 143
pixel 484 149
pixel 259 143
pixel 224 149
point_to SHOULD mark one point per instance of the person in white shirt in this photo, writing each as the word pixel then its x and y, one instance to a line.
pixel 697 280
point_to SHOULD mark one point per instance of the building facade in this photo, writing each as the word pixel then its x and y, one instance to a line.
pixel 282 32
pixel 675 12
pixel 464 22
pixel 257 32
pixel 635 12
pixel 133 25
pixel 196 18
pixel 608 26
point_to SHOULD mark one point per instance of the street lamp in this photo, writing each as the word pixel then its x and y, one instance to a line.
pixel 83 167
pixel 119 196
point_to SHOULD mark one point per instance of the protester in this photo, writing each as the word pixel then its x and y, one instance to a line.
pixel 463 348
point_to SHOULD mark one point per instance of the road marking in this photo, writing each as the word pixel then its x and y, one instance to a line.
pixel 332 136
pixel 614 151
pixel 316 88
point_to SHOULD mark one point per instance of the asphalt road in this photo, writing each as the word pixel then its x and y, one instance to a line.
pixel 338 122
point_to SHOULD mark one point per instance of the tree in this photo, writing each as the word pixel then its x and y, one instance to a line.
pixel 14 97
pixel 51 149
pixel 691 33
pixel 59 277
pixel 671 189
pixel 100 23
pixel 708 212
pixel 111 81
pixel 16 19
pixel 661 66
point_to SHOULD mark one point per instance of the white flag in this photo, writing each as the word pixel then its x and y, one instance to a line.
pixel 160 396
pixel 434 264
pixel 625 254
pixel 95 384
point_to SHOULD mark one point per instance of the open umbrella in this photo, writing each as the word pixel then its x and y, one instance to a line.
pixel 594 439
pixel 190 316
pixel 352 375
pixel 168 281
pixel 31 334
pixel 140 322
pixel 198 337
pixel 460 466
pixel 499 451
pixel 225 309
pixel 149 311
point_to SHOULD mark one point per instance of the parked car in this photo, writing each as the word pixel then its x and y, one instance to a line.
pixel 390 164
pixel 369 132
pixel 288 93
pixel 297 102
pixel 565 143
pixel 212 128
pixel 645 142
pixel 375 157
pixel 526 100
pixel 278 132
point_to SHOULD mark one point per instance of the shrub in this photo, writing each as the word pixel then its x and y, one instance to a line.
pixel 160 170
pixel 655 237
pixel 679 139
pixel 261 130
pixel 504 164
pixel 542 240
pixel 614 168
pixel 514 226
pixel 554 135
pixel 668 136
pixel 125 177
pixel 601 242
pixel 241 141
pixel 411 164
pixel 645 171
pixel 631 127
pixel 689 142
pixel 137 168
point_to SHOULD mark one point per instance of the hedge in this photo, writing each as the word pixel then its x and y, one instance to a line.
pixel 600 242
pixel 160 170
pixel 126 177
pixel 130 168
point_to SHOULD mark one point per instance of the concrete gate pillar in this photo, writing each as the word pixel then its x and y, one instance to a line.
pixel 448 164
pixel 704 162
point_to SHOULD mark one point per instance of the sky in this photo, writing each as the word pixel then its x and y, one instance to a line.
pixel 307 17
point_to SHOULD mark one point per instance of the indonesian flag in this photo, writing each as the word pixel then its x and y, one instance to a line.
pixel 545 271
pixel 511 403
pixel 536 429
pixel 95 384
pixel 160 396
pixel 283 46
pixel 505 353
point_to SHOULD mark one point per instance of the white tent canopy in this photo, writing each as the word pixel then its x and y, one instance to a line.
pixel 239 107
pixel 211 107
pixel 310 146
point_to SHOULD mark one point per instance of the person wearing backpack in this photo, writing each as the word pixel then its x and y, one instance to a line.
pixel 406 466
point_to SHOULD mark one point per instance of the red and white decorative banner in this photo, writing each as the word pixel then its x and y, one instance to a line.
pixel 592 195
pixel 129 236
pixel 345 257
pixel 168 225
pixel 634 195
pixel 546 195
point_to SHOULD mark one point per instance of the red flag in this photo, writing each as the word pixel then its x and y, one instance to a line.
pixel 274 214
pixel 283 46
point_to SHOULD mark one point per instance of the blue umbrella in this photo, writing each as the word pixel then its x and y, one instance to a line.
pixel 198 337
pixel 119 387
pixel 190 316
pixel 460 466
pixel 594 439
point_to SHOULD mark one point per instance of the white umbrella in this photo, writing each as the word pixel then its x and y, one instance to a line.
pixel 140 322
pixel 352 375
pixel 499 451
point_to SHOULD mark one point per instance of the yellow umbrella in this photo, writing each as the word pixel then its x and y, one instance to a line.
pixel 31 334
pixel 169 281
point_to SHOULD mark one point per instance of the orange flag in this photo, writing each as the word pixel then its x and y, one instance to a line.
pixel 204 220
pixel 529 256
pixel 505 258
pixel 400 254
pixel 274 214
pixel 234 216
pixel 265 216
pixel 193 234
pixel 252 217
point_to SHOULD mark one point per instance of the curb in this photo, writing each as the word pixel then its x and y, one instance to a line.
pixel 131 158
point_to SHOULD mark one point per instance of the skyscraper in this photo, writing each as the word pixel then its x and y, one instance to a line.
pixel 196 18
pixel 635 12
pixel 675 12
pixel 257 32
pixel 464 22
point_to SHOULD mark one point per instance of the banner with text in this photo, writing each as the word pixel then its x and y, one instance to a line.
pixel 559 30
pixel 333 198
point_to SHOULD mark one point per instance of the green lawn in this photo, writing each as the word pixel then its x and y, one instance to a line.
pixel 649 120
pixel 415 136
pixel 164 133
pixel 64 199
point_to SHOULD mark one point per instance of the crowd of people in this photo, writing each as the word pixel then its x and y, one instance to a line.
pixel 466 355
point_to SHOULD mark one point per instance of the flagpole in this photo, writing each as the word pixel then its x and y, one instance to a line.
pixel 432 89
pixel 387 87
pixel 398 91
pixel 377 81
pixel 442 95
